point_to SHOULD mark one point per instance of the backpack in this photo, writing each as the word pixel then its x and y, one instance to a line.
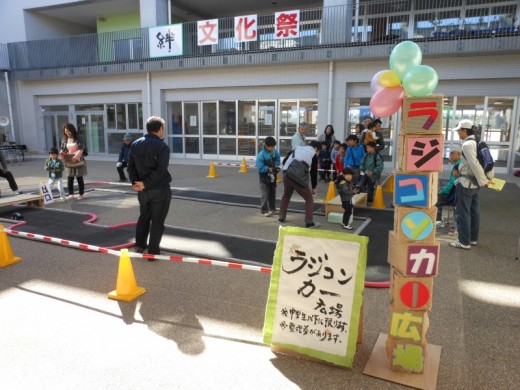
pixel 484 156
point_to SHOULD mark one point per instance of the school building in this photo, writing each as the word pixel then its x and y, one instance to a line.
pixel 226 74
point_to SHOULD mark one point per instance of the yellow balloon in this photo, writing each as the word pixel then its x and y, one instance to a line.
pixel 389 79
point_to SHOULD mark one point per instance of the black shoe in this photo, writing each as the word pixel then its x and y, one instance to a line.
pixel 313 225
pixel 281 220
pixel 138 249
pixel 123 180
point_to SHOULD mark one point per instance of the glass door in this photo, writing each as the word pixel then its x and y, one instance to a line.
pixel 52 125
pixel 209 129
pixel 91 126
pixel 192 133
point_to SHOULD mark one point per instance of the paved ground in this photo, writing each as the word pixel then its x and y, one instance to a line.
pixel 201 326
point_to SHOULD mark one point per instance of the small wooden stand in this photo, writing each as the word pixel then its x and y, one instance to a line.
pixel 29 199
pixel 378 367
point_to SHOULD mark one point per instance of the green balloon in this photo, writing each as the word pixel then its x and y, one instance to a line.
pixel 405 56
pixel 420 81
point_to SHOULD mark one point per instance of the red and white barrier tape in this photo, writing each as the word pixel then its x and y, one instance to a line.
pixel 234 165
pixel 94 248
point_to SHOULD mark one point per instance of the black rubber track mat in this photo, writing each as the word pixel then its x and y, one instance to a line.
pixel 69 226
pixel 381 222
pixel 216 197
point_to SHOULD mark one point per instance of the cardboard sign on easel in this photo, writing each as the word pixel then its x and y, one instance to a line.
pixel 315 295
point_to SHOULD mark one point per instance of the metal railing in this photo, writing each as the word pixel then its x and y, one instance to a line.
pixel 373 23
pixel 4 57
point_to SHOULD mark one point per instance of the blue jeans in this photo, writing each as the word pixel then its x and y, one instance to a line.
pixel 468 214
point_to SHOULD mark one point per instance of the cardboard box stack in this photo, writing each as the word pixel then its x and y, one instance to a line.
pixel 413 252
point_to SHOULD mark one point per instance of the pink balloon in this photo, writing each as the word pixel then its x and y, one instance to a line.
pixel 374 84
pixel 387 101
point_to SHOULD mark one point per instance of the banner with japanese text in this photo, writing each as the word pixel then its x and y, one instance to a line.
pixel 287 24
pixel 316 294
pixel 207 32
pixel 246 28
pixel 165 41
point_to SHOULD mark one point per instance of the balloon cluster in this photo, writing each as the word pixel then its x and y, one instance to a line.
pixel 406 74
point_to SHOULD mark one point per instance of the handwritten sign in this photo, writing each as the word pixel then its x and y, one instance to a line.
pixel 315 295
pixel 46 192
pixel 165 41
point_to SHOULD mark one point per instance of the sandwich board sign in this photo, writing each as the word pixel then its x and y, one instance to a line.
pixel 316 294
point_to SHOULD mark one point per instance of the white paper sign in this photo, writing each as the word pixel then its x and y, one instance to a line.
pixel 287 24
pixel 207 32
pixel 46 192
pixel 165 41
pixel 246 28
pixel 315 293
pixel 193 120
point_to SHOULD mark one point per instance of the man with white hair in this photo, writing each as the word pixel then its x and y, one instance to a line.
pixel 472 177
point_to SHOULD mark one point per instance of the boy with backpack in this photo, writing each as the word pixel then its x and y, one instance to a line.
pixel 371 167
pixel 472 176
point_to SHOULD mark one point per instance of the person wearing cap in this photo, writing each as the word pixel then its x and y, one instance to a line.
pixel 308 155
pixel 471 178
pixel 124 155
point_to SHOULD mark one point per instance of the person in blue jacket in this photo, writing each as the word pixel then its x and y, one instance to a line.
pixel 268 165
pixel 354 155
pixel 124 155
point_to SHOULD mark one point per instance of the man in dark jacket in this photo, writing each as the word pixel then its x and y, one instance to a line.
pixel 124 155
pixel 148 172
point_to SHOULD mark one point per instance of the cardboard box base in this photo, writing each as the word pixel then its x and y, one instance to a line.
pixel 378 367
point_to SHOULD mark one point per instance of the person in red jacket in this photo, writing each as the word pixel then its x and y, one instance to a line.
pixel 340 159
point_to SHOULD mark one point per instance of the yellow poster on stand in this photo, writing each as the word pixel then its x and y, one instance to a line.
pixel 316 294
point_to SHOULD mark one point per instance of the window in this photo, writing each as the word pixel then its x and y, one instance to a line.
pixel 128 49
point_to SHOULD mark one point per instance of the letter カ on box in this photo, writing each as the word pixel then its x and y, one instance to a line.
pixel 413 258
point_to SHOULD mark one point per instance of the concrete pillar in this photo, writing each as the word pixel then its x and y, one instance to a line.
pixel 153 13
pixel 336 22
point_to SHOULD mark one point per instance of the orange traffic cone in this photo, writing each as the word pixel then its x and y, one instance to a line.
pixel 243 166
pixel 331 192
pixel 379 202
pixel 212 173
pixel 389 187
pixel 6 253
pixel 126 288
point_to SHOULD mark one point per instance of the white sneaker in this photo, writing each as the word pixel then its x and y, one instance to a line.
pixel 267 214
pixel 71 197
pixel 474 243
pixel 457 244
pixel 440 224
pixel 62 198
pixel 348 227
